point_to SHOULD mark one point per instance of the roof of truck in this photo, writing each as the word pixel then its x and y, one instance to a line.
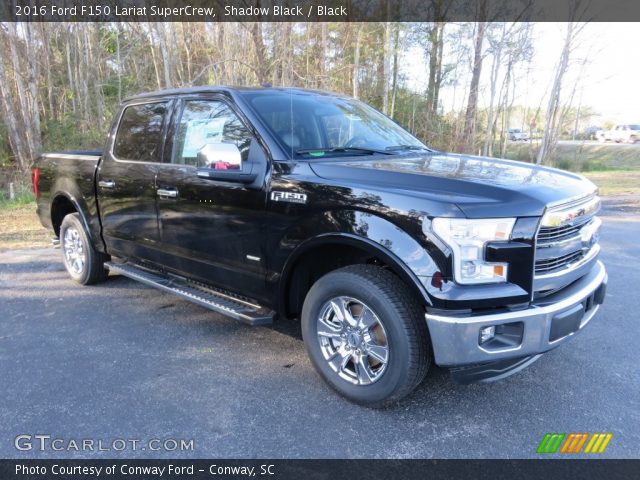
pixel 227 89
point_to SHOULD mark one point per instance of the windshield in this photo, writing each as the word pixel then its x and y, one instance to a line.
pixel 634 127
pixel 316 125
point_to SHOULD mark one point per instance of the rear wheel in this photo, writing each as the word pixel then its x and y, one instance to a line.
pixel 83 263
pixel 366 335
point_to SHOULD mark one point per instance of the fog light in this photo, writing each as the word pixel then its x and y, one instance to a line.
pixel 487 333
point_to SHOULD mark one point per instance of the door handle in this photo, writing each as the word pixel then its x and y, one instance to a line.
pixel 107 184
pixel 167 193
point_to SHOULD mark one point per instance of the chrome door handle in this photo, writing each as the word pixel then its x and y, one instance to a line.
pixel 107 184
pixel 163 192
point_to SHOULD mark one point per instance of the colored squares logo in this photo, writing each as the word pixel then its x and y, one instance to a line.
pixel 574 443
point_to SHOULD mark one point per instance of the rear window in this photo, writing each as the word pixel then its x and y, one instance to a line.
pixel 140 131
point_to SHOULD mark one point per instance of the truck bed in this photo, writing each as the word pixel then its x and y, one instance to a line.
pixel 71 173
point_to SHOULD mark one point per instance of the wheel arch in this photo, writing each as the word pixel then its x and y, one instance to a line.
pixel 357 249
pixel 62 205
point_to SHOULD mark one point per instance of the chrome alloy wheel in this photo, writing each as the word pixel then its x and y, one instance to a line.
pixel 353 340
pixel 74 254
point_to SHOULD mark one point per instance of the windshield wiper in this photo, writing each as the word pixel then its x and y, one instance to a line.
pixel 357 150
pixel 398 148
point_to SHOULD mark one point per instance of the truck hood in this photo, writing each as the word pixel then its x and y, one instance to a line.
pixel 479 186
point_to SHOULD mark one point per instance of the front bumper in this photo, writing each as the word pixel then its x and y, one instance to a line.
pixel 529 332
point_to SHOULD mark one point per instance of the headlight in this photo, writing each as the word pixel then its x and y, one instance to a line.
pixel 467 239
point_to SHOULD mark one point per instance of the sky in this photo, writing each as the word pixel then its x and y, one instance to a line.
pixel 609 82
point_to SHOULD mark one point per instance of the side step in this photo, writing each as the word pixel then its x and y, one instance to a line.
pixel 215 300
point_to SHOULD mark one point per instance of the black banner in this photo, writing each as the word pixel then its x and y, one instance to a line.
pixel 319 10
pixel 318 469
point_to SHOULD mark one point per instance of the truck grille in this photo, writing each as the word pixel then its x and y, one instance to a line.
pixel 551 234
pixel 560 246
pixel 556 263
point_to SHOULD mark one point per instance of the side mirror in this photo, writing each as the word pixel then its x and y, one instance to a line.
pixel 223 162
pixel 220 156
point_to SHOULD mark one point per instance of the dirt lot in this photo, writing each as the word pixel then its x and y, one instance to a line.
pixel 20 228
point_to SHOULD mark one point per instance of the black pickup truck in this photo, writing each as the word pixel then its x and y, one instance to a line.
pixel 267 202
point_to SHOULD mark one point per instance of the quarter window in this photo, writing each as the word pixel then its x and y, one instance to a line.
pixel 207 123
pixel 140 132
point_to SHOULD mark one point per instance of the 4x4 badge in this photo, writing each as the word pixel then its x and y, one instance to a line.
pixel 291 197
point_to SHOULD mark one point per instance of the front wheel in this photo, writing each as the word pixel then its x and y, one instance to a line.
pixel 366 335
pixel 83 263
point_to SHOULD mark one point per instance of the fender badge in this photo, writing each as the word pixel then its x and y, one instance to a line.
pixel 291 197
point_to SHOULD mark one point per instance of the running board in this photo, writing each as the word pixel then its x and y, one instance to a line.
pixel 205 296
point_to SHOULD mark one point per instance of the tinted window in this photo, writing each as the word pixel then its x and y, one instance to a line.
pixel 140 131
pixel 205 122
pixel 302 121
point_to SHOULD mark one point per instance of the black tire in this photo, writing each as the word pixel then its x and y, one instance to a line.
pixel 92 270
pixel 404 327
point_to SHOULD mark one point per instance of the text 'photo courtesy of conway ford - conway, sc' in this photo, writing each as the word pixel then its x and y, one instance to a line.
pixel 261 203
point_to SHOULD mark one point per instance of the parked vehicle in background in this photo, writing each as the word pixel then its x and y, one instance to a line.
pixel 517 135
pixel 308 205
pixel 592 133
pixel 623 133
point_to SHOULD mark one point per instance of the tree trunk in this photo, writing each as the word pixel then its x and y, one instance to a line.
pixel 261 56
pixel 550 126
pixel 394 91
pixel 472 103
pixel 16 140
pixel 167 66
pixel 386 67
pixel 356 62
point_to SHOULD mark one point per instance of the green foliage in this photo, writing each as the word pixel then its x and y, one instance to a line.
pixel 65 135
pixel 22 190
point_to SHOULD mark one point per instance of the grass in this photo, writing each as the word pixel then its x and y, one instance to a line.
pixel 20 227
pixel 616 182
pixel 615 168
pixel 587 157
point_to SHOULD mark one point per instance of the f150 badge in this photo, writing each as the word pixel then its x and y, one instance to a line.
pixel 291 197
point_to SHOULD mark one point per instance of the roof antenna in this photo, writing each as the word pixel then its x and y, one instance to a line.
pixel 266 85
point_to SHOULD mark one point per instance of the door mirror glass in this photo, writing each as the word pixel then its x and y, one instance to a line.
pixel 220 156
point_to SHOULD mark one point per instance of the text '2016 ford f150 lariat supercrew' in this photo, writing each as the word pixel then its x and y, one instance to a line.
pixel 257 201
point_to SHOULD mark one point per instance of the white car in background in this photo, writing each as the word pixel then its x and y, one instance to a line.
pixel 627 133
pixel 517 135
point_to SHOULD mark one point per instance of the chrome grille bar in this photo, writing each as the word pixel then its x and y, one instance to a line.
pixel 566 242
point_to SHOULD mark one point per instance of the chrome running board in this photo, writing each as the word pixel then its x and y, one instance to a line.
pixel 208 297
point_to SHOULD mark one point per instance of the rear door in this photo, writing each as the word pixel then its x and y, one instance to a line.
pixel 126 180
pixel 212 229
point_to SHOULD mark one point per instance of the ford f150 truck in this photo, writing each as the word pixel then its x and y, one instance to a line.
pixel 261 203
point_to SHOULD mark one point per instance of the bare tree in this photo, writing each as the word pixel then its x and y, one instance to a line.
pixel 552 123
pixel 469 131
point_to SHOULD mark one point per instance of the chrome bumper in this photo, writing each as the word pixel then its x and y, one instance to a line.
pixel 456 340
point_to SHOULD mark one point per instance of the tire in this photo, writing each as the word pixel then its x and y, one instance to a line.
pixel 83 263
pixel 395 319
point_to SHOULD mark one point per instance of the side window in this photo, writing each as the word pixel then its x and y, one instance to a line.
pixel 205 124
pixel 140 132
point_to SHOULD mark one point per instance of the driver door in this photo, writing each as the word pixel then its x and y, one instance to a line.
pixel 212 228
